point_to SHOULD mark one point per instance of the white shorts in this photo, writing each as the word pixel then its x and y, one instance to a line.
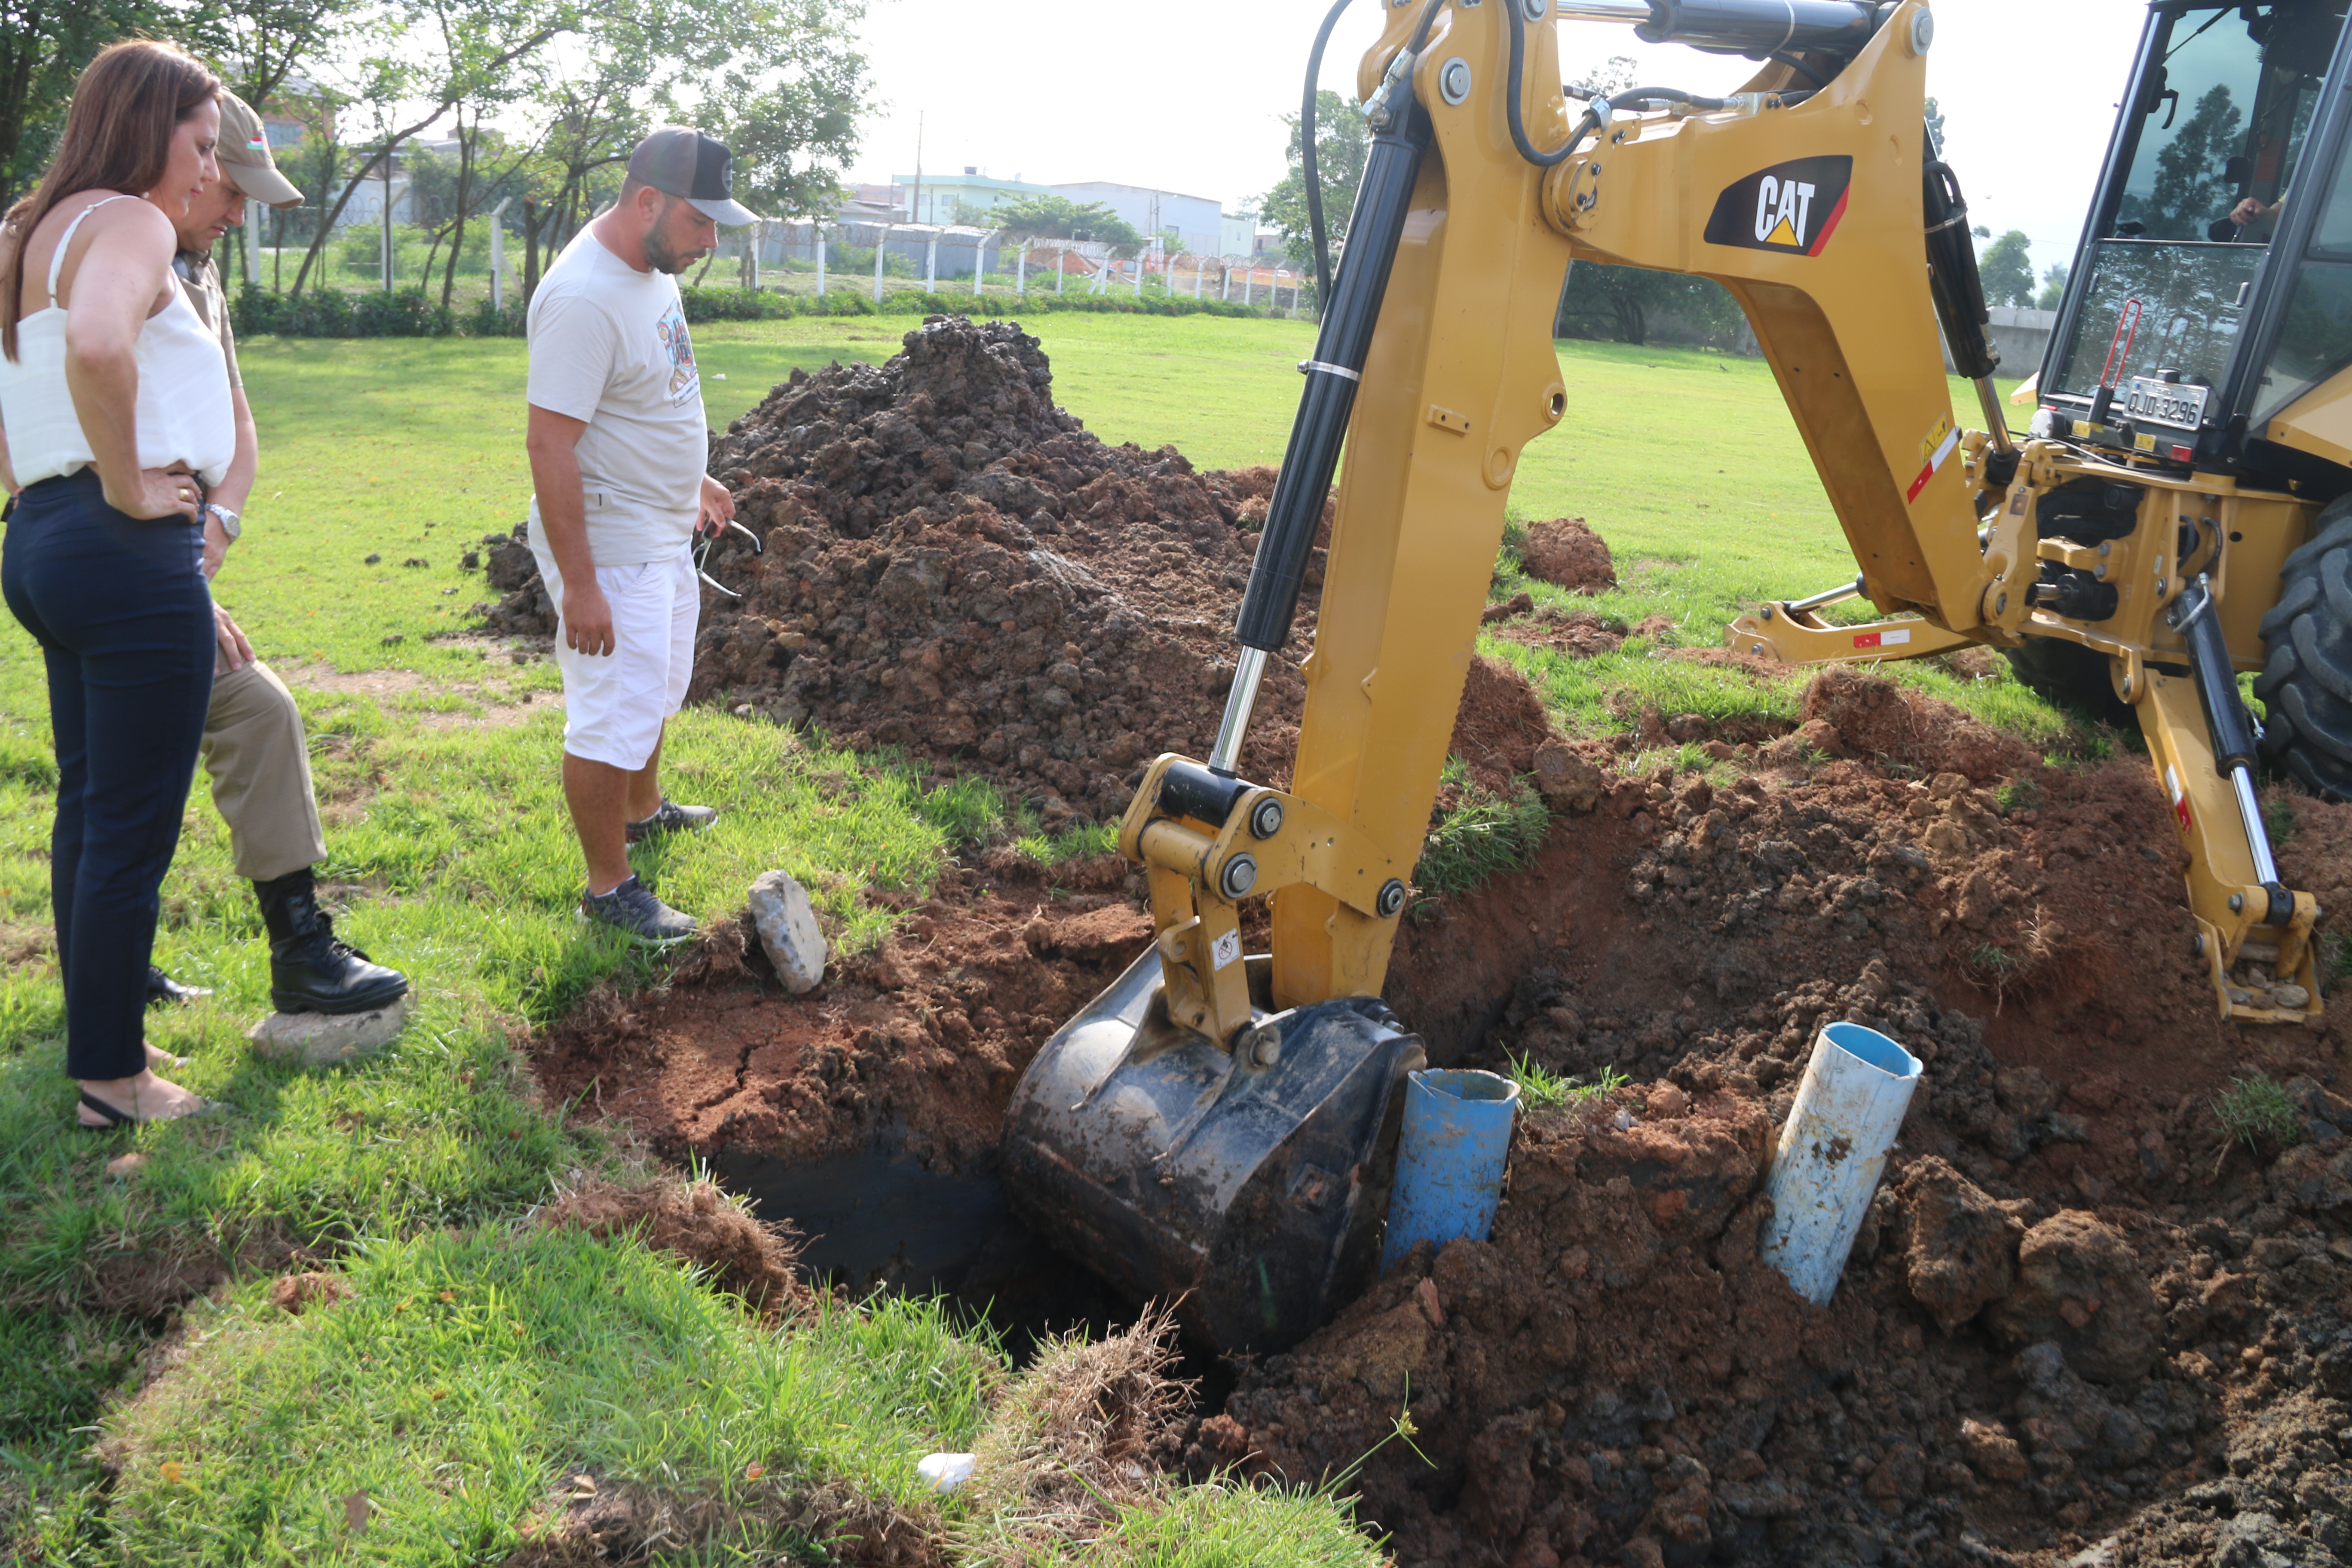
pixel 614 704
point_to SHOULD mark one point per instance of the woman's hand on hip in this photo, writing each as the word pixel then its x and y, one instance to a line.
pixel 158 493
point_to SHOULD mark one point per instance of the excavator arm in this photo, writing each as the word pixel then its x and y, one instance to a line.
pixel 1216 1126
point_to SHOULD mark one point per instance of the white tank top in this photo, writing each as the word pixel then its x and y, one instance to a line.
pixel 183 410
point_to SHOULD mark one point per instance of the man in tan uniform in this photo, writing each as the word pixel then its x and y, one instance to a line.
pixel 254 745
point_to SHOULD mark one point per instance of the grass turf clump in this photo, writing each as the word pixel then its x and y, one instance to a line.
pixel 1072 1468
pixel 467 1382
pixel 1484 836
pixel 2255 1110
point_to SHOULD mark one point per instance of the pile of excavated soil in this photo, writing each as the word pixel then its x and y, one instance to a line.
pixel 1566 552
pixel 954 566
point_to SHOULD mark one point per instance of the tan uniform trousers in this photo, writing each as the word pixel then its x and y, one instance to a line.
pixel 259 760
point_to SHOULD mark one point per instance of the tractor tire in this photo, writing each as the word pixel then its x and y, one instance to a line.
pixel 2071 676
pixel 2306 681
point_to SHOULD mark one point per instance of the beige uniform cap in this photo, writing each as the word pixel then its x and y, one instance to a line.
pixel 244 156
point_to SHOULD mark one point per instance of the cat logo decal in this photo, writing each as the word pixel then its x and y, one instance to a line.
pixel 1790 207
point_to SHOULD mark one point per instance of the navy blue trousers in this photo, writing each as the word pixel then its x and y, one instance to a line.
pixel 125 623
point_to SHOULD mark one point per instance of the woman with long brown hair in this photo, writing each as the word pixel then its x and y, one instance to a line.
pixel 114 399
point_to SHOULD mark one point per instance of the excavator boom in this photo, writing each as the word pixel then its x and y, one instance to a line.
pixel 1218 1125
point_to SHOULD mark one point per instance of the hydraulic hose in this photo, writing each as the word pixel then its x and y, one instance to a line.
pixel 1306 153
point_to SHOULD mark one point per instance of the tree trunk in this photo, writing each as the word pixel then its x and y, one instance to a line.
pixel 465 194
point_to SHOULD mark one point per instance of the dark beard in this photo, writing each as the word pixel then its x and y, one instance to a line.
pixel 658 251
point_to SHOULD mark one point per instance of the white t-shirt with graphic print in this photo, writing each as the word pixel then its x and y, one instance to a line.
pixel 609 346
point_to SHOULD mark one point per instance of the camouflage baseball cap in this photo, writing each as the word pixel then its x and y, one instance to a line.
pixel 244 153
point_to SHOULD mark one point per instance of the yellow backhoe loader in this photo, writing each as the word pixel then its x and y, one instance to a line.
pixel 1219 1124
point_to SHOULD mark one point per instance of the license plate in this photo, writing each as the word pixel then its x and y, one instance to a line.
pixel 2172 403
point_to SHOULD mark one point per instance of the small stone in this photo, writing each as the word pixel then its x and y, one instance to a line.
pixel 2294 998
pixel 372 561
pixel 1425 1294
pixel 788 931
pixel 123 1166
pixel 327 1039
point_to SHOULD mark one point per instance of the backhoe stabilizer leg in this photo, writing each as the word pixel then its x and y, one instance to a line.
pixel 1792 633
pixel 2201 740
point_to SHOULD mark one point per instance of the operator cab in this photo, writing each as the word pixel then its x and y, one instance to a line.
pixel 2213 285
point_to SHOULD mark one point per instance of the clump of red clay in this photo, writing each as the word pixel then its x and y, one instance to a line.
pixel 2083 1324
pixel 1566 552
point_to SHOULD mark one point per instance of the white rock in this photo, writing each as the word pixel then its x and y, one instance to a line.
pixel 946 1471
pixel 324 1039
pixel 787 925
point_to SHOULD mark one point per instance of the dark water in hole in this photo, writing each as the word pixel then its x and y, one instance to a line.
pixel 878 1220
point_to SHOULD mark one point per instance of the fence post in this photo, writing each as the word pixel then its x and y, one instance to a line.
pixel 1021 270
pixel 820 260
pixel 1138 274
pixel 931 265
pixel 252 243
pixel 881 245
pixel 1249 281
pixel 1060 256
pixel 1225 284
pixel 499 255
pixel 1198 264
pixel 1294 293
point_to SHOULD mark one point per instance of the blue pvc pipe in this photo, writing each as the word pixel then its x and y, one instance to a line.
pixel 1451 1152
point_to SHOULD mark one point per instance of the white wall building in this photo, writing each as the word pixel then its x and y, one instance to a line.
pixel 1200 226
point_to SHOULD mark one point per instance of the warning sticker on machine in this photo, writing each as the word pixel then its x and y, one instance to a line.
pixel 1935 448
pixel 1893 638
pixel 1226 950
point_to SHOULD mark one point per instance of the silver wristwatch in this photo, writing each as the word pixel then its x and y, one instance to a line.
pixel 228 523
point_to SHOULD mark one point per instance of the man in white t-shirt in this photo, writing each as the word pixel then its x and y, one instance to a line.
pixel 618 447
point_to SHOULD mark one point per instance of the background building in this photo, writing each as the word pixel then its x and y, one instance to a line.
pixel 940 198
pixel 1198 223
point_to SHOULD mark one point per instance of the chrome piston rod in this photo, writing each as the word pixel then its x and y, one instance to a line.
pixel 1241 701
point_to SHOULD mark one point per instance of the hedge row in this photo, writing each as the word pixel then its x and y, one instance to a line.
pixel 410 313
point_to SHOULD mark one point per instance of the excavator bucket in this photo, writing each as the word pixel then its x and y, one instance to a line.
pixel 1252 1182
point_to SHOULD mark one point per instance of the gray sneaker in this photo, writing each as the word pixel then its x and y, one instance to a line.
pixel 671 819
pixel 632 908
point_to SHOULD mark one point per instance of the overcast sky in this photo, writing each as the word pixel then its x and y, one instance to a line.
pixel 1189 100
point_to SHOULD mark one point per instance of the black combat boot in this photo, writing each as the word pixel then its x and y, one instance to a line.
pixel 310 970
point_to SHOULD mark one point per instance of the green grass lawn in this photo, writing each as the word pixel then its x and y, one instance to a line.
pixel 436 755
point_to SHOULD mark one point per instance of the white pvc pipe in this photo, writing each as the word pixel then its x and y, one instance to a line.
pixel 1849 1106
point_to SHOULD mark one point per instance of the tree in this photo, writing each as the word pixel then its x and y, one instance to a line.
pixel 791 119
pixel 2053 287
pixel 44 45
pixel 1341 144
pixel 2007 274
pixel 1059 218
pixel 471 49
